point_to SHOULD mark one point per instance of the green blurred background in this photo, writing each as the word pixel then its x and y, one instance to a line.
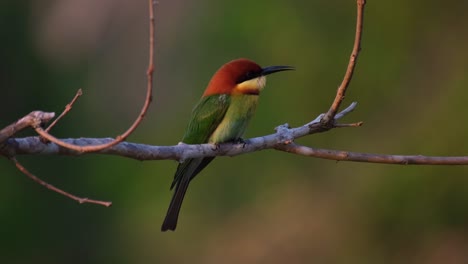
pixel 267 207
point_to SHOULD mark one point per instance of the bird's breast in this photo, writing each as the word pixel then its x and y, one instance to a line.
pixel 236 119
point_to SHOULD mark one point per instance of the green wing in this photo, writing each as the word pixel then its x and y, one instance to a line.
pixel 206 116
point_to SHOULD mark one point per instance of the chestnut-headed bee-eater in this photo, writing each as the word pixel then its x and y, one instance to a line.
pixel 221 115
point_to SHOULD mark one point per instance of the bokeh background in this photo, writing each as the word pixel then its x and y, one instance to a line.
pixel 267 207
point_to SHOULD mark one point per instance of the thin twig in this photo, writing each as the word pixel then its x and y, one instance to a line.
pixel 340 94
pixel 136 123
pixel 67 109
pixel 358 124
pixel 340 155
pixel 346 111
pixel 55 189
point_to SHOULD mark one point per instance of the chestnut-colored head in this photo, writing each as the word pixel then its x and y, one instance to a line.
pixel 241 76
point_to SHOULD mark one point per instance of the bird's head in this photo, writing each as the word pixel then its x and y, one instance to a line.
pixel 241 76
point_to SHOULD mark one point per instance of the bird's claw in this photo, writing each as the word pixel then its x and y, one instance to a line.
pixel 241 141
pixel 215 146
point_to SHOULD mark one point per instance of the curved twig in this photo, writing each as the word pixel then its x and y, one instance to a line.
pixel 340 93
pixel 144 109
pixel 55 189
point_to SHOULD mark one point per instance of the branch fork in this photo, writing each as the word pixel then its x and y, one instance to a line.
pixel 285 135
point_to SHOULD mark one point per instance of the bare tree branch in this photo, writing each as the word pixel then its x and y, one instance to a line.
pixel 35 118
pixel 341 155
pixel 340 93
pixel 55 189
pixel 282 140
pixel 284 135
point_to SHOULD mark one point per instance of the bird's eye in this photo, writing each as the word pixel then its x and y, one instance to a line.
pixel 248 76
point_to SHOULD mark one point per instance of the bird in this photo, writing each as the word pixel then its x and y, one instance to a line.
pixel 221 115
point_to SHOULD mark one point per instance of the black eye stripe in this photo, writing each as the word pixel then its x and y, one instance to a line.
pixel 249 76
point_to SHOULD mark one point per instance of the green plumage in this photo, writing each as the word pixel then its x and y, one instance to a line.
pixel 215 119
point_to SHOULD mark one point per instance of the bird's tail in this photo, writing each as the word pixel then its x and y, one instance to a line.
pixel 170 222
pixel 185 173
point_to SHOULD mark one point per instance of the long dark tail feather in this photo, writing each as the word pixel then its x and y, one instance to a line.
pixel 185 173
pixel 191 166
pixel 170 222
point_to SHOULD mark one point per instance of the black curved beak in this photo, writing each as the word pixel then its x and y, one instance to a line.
pixel 273 69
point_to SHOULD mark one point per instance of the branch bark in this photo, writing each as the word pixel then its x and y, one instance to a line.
pixel 284 135
pixel 282 140
pixel 35 118
pixel 341 155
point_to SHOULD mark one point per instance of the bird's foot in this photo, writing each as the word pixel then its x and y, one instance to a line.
pixel 241 141
pixel 215 146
